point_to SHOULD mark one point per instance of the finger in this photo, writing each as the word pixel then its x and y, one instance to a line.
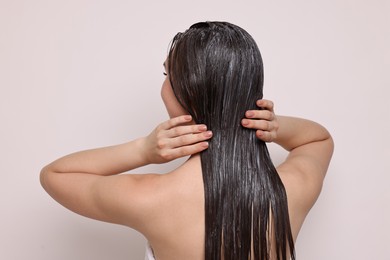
pixel 260 114
pixel 190 139
pixel 184 130
pixel 266 104
pixel 257 124
pixel 175 122
pixel 265 136
pixel 189 149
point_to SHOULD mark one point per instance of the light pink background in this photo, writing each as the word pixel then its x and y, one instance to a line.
pixel 82 74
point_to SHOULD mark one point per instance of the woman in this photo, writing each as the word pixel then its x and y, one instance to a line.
pixel 227 201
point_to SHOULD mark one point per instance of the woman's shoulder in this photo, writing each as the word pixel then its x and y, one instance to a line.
pixel 175 192
pixel 302 192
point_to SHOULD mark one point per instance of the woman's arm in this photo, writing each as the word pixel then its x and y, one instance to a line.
pixel 310 149
pixel 309 144
pixel 155 148
pixel 86 182
pixel 101 161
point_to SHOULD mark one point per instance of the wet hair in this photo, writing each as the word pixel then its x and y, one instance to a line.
pixel 216 72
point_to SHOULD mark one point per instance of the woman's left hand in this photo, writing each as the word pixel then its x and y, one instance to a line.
pixel 264 121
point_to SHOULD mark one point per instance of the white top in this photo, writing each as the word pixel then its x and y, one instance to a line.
pixel 149 253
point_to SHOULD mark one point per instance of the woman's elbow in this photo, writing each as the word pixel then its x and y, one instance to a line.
pixel 43 176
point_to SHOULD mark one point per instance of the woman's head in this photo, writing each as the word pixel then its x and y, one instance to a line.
pixel 172 105
pixel 216 73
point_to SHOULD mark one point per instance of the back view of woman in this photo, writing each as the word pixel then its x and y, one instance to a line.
pixel 227 201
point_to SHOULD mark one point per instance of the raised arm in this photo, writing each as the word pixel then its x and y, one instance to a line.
pixel 309 144
pixel 86 182
pixel 170 140
pixel 304 139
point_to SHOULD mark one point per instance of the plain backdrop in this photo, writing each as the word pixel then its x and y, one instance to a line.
pixel 81 74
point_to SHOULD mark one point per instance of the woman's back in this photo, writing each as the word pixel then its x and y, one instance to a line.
pixel 174 226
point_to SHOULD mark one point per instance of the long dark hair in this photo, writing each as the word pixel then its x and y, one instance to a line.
pixel 216 72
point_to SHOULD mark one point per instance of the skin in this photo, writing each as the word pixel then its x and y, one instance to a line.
pixel 168 209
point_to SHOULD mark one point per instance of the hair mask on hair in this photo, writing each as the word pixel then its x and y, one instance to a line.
pixel 216 72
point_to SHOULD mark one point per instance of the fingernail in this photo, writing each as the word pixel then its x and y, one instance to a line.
pixel 187 117
pixel 249 113
pixel 205 144
pixel 208 134
pixel 202 128
pixel 245 122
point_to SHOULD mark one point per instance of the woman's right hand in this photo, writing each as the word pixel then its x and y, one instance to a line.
pixel 264 121
pixel 175 138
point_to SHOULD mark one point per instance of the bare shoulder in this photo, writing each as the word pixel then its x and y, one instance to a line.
pixel 124 198
pixel 173 213
pixel 148 202
pixel 303 173
pixel 302 193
